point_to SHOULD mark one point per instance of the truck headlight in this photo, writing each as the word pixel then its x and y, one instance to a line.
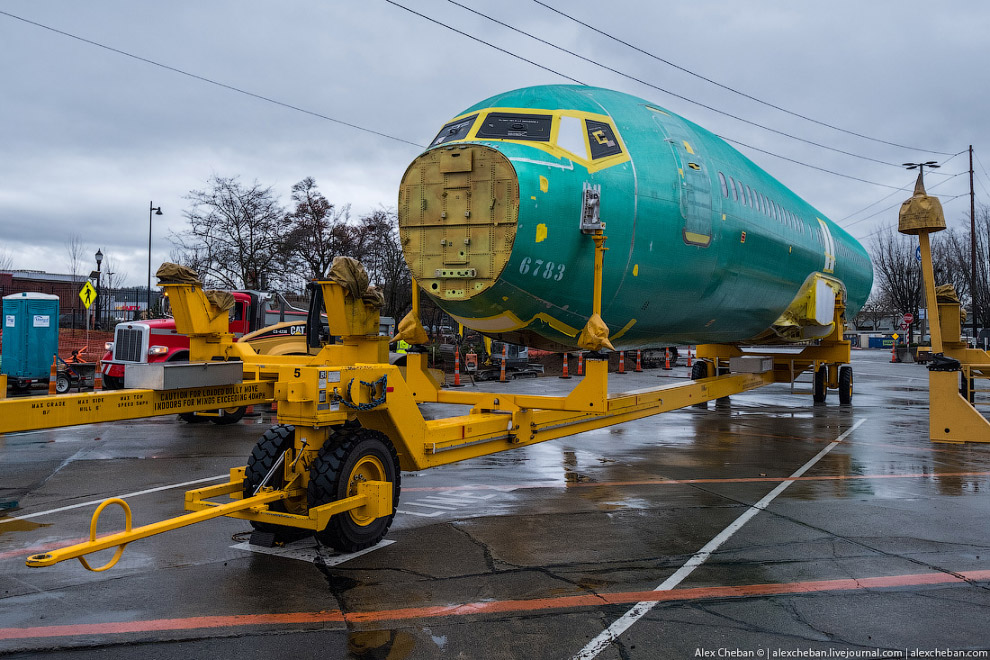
pixel 157 350
pixel 108 346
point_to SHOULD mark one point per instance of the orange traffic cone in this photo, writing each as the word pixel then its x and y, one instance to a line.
pixel 893 352
pixel 98 378
pixel 622 362
pixel 565 374
pixel 666 362
pixel 52 376
pixel 505 352
pixel 639 361
pixel 457 367
pixel 689 357
pixel 580 363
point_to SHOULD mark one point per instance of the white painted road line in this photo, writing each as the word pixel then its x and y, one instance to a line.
pixel 134 494
pixel 639 610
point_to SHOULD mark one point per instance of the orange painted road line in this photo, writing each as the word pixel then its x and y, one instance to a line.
pixel 495 607
pixel 671 482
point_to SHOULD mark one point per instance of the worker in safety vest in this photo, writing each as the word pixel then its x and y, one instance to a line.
pixel 403 346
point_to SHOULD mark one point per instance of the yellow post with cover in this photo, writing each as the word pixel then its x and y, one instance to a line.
pixel 952 415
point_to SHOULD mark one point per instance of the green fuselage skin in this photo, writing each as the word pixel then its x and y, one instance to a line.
pixel 661 285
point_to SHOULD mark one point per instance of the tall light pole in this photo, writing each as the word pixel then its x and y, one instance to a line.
pixel 157 211
pixel 99 294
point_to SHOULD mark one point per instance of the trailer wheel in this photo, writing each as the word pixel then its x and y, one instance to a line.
pixel 350 456
pixel 821 384
pixel 845 385
pixel 113 383
pixel 62 384
pixel 272 444
pixel 699 370
pixel 229 416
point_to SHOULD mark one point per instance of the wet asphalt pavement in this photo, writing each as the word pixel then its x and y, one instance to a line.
pixel 647 529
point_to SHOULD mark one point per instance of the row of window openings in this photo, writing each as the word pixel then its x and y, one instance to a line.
pixel 743 193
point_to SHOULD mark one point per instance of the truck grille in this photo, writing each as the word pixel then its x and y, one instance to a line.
pixel 127 344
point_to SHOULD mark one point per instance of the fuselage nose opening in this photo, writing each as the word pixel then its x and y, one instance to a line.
pixel 458 212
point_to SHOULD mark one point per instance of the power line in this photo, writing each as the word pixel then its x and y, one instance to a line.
pixel 731 89
pixel 880 229
pixel 905 189
pixel 209 80
pixel 634 78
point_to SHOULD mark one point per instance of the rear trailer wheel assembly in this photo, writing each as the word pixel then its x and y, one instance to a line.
pixel 845 385
pixel 350 456
pixel 821 384
pixel 273 445
pixel 229 416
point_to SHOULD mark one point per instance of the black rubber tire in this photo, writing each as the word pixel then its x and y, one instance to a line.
pixel 229 417
pixel 966 384
pixel 113 383
pixel 329 481
pixel 62 384
pixel 722 400
pixel 192 418
pixel 845 385
pixel 821 384
pixel 272 444
pixel 699 370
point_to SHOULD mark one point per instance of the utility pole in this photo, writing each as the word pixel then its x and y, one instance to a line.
pixel 972 239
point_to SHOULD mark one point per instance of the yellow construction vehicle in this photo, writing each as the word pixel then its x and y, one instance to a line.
pixel 349 423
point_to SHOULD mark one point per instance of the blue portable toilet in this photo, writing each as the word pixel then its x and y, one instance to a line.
pixel 30 337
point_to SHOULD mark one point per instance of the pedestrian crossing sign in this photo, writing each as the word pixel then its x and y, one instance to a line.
pixel 87 294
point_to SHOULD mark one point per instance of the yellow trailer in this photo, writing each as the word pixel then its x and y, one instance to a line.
pixel 349 422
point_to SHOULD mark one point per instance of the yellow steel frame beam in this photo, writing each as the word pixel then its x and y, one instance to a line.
pixel 44 412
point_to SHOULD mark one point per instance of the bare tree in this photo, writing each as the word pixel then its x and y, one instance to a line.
pixel 898 273
pixel 237 234
pixel 874 311
pixel 74 250
pixel 6 261
pixel 318 230
pixel 381 252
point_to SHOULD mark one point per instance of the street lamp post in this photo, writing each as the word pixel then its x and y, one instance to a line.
pixel 157 211
pixel 99 294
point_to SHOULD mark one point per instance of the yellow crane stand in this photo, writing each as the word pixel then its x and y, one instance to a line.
pixel 349 422
pixel 955 365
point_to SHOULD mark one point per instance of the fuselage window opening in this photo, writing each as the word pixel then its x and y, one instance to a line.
pixel 742 192
pixel 455 130
pixel 749 197
pixel 763 203
pixel 725 188
pixel 735 193
pixel 776 211
pixel 570 137
pixel 512 126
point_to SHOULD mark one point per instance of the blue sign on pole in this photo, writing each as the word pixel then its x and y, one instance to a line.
pixel 917 253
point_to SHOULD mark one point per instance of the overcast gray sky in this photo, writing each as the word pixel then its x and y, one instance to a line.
pixel 90 136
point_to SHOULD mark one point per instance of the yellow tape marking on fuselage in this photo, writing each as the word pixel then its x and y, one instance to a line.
pixel 541 233
pixel 624 330
pixel 507 322
pixel 544 184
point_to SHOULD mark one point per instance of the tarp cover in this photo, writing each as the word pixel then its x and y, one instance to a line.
pixel 595 335
pixel 410 330
pixel 350 274
pixel 921 212
pixel 176 274
pixel 946 293
pixel 222 300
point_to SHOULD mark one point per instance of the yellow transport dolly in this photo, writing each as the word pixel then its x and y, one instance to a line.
pixel 348 422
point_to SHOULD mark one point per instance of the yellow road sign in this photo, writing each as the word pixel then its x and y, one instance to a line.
pixel 87 294
pixel 895 336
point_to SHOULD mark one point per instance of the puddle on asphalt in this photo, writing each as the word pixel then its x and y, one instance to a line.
pixel 9 524
pixel 381 644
